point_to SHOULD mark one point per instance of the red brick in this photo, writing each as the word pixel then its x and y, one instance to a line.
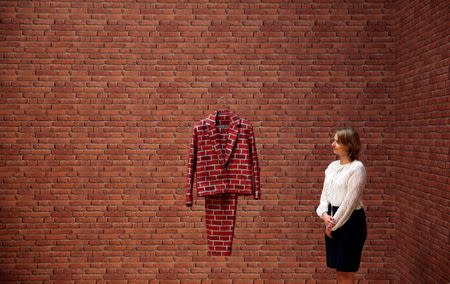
pixel 97 116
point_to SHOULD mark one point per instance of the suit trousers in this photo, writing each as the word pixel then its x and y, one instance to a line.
pixel 220 218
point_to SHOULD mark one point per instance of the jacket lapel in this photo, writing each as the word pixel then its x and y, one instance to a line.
pixel 232 136
pixel 233 132
pixel 211 121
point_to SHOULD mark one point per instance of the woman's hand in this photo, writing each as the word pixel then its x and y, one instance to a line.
pixel 329 224
pixel 326 218
pixel 328 228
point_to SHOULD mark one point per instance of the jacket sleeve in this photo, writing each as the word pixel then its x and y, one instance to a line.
pixel 192 161
pixel 255 165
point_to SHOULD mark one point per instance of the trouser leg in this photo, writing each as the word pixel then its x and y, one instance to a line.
pixel 220 218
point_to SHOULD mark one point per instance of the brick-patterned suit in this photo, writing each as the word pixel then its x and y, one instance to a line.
pixel 224 160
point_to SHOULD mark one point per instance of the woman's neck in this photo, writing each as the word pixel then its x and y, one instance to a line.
pixel 344 160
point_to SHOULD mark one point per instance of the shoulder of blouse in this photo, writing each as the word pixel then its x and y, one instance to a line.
pixel 356 164
pixel 357 167
pixel 332 165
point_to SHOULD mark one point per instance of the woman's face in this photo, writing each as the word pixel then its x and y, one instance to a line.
pixel 338 148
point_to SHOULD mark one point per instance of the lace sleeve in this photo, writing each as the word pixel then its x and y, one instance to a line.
pixel 356 183
pixel 323 205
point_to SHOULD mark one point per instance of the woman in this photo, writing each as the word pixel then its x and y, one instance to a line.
pixel 341 207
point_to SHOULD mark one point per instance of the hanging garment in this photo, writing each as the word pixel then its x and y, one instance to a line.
pixel 223 157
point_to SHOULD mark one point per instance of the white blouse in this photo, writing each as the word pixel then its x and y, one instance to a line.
pixel 343 187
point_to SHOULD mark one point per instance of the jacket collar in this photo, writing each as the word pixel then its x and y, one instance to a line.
pixel 232 133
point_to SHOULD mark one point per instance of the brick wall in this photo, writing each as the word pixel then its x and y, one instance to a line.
pixel 419 141
pixel 98 102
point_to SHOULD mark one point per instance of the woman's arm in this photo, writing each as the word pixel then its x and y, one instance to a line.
pixel 356 183
pixel 323 205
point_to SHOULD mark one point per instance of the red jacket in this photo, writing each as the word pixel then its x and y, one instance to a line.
pixel 223 157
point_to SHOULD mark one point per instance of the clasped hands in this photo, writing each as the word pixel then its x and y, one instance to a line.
pixel 329 224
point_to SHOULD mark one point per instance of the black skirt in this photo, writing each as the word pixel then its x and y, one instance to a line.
pixel 345 248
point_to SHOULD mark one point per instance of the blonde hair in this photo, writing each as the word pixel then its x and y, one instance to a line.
pixel 349 137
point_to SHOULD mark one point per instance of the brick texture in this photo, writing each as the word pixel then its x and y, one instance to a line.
pixel 223 164
pixel 220 216
pixel 419 142
pixel 98 104
pixel 222 157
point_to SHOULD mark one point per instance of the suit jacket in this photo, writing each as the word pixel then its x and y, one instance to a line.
pixel 223 157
